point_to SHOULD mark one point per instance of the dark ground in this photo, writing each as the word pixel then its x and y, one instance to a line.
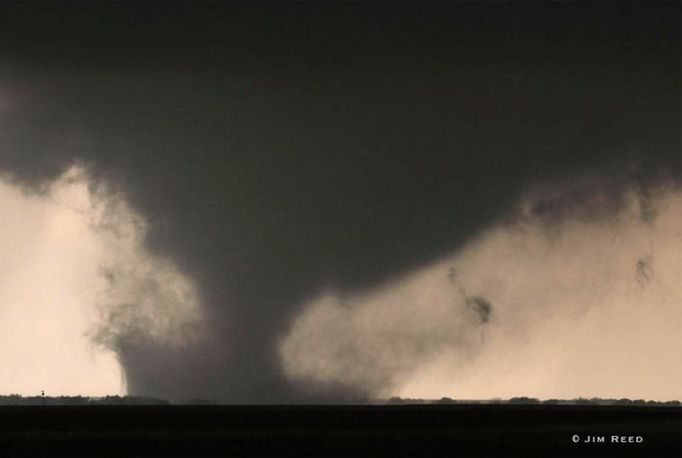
pixel 433 430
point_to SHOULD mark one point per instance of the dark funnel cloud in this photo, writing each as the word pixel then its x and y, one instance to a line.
pixel 278 149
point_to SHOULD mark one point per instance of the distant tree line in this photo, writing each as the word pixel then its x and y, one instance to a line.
pixel 530 401
pixel 18 400
pixel 611 402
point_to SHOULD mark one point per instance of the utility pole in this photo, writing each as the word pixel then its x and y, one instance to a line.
pixel 42 395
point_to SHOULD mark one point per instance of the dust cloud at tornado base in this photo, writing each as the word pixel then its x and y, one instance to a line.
pixel 585 306
pixel 76 282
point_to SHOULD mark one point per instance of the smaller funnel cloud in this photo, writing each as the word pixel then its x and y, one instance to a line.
pixel 551 285
pixel 481 306
pixel 644 272
pixel 478 304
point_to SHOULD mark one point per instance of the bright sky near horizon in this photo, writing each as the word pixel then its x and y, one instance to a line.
pixel 49 258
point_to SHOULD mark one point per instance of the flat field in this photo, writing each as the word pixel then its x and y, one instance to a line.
pixel 400 430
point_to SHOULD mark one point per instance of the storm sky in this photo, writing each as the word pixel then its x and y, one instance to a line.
pixel 283 202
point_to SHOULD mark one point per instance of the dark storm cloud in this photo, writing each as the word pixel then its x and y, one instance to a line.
pixel 280 149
